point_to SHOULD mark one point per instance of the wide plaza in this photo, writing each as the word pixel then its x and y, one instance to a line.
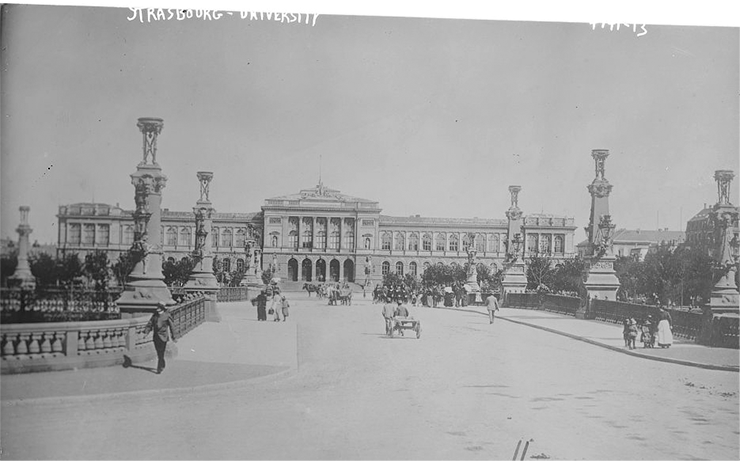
pixel 465 390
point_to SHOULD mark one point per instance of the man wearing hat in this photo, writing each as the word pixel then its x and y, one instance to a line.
pixel 161 323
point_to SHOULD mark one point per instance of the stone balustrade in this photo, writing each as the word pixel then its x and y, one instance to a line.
pixel 55 346
pixel 232 294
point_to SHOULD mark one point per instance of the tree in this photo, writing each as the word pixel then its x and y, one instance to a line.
pixel 123 267
pixel 443 274
pixel 177 273
pixel 97 269
pixel 237 276
pixel 8 263
pixel 392 279
pixel 44 268
pixel 539 273
pixel 488 279
pixel 69 268
pixel 267 275
pixel 568 276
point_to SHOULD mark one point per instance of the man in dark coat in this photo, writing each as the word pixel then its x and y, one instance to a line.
pixel 162 325
pixel 261 301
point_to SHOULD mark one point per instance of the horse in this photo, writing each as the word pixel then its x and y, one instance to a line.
pixel 311 288
pixel 345 296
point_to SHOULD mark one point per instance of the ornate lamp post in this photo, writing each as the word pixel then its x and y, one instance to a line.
pixel 514 276
pixel 145 287
pixel 600 279
pixel 471 285
pixel 22 277
pixel 202 278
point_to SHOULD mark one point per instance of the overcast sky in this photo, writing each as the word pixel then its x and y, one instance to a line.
pixel 427 116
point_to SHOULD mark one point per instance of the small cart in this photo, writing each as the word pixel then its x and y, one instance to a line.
pixel 398 324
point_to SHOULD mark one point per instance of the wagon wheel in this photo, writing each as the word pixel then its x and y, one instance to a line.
pixel 417 328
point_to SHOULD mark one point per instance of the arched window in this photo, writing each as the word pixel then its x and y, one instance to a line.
pixel 559 247
pixel 426 266
pixel 334 240
pixel 227 265
pixel 399 268
pixel 307 238
pixel 545 243
pixel 495 242
pixel 414 242
pixel 385 268
pixel 185 236
pixel 441 244
pixel 214 236
pixel 293 239
pixel 480 243
pixel 226 238
pixel 466 242
pixel 386 240
pixel 400 241
pixel 241 238
pixel 240 264
pixel 453 242
pixel 349 238
pixel 426 242
pixel 128 235
pixel 171 236
pixel 320 239
pixel 412 268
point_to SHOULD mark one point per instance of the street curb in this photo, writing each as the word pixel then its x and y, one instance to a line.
pixel 613 348
pixel 290 371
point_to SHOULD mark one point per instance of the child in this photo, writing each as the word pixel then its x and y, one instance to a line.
pixel 626 332
pixel 647 335
pixel 632 333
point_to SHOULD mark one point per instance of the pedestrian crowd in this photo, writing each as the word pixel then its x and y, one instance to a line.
pixel 649 331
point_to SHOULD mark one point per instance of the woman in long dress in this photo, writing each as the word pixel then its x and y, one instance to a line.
pixel 665 335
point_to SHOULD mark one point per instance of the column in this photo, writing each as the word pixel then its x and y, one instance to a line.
pixel 600 278
pixel 300 232
pixel 22 277
pixel 313 232
pixel 514 276
pixel 341 237
pixel 202 278
pixel 145 287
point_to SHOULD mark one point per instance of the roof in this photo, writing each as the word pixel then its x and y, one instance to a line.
pixel 319 193
pixel 647 236
pixel 400 220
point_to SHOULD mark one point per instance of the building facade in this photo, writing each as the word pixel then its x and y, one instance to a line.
pixel 320 234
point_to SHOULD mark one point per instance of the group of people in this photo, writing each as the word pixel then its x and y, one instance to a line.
pixel 431 296
pixel 649 332
pixel 279 305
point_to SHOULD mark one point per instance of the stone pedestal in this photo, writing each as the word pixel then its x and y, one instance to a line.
pixel 600 281
pixel 515 279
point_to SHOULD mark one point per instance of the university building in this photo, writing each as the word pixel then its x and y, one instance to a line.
pixel 320 234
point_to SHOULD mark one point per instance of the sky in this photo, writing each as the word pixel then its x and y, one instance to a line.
pixel 427 116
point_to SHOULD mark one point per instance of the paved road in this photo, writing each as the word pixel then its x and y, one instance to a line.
pixel 465 390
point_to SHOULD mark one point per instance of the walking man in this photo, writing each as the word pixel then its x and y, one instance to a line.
pixel 388 313
pixel 492 306
pixel 161 323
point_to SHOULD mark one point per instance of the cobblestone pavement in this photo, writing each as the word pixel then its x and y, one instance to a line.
pixel 465 390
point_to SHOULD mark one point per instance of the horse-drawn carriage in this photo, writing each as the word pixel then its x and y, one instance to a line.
pixel 399 324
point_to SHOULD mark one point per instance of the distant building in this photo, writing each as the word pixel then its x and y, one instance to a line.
pixel 639 243
pixel 700 231
pixel 320 234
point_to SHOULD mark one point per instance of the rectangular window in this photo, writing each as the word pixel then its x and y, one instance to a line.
pixel 75 231
pixel 334 240
pixel 368 222
pixel 274 220
pixel 88 234
pixel 103 235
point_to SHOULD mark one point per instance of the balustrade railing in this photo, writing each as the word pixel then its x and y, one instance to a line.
pixel 46 346
pixel 57 305
pixel 547 302
pixel 232 294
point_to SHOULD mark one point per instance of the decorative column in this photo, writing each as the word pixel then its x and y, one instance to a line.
pixel 600 279
pixel 145 287
pixel 22 277
pixel 515 276
pixel 725 299
pixel 202 278
pixel 471 284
